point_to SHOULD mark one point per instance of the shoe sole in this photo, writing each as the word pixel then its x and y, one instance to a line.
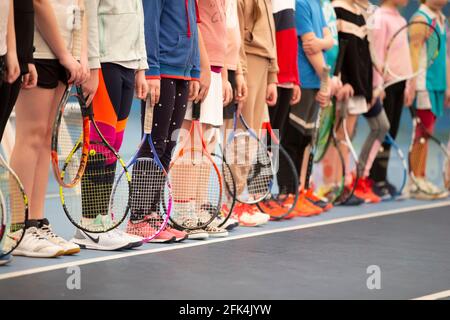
pixel 136 244
pixel 198 237
pixel 37 255
pixel 181 239
pixel 72 251
pixel 162 240
pixel 90 246
pixel 5 262
pixel 219 235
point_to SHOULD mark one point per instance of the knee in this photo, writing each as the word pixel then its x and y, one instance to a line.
pixel 34 138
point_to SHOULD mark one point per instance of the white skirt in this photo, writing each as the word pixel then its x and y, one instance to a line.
pixel 212 108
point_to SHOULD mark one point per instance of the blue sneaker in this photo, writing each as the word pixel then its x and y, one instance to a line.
pixel 5 259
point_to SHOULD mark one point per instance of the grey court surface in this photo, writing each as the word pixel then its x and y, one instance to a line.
pixel 326 257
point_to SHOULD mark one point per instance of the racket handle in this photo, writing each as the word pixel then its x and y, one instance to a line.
pixel 148 118
pixel 77 38
pixel 324 79
pixel 196 109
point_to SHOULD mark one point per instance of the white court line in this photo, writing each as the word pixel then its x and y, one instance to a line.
pixel 230 238
pixel 435 296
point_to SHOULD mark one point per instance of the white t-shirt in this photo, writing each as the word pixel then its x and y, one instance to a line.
pixel 64 11
pixel 4 10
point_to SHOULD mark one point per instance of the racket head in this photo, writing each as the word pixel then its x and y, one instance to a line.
pixel 91 205
pixel 251 164
pixel 427 159
pixel 346 150
pixel 14 207
pixel 196 189
pixel 70 140
pixel 397 166
pixel 150 201
pixel 324 134
pixel 329 174
pixel 229 194
pixel 418 42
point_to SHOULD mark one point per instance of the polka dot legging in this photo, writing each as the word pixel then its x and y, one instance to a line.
pixel 168 117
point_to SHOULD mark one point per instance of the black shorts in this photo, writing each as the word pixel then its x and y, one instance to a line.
pixel 303 115
pixel 50 73
pixel 2 69
pixel 229 110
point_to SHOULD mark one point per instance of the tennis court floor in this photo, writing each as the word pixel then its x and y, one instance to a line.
pixel 394 250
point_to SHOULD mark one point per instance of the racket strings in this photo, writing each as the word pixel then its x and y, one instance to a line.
pixel 14 207
pixel 148 183
pixel 70 140
pixel 251 165
pixel 92 203
pixel 196 187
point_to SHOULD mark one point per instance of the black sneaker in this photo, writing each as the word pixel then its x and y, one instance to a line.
pixel 349 201
pixel 385 190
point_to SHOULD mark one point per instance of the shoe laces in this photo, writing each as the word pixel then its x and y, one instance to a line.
pixel 47 229
pixel 35 233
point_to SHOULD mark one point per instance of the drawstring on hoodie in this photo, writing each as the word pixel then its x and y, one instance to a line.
pixel 187 16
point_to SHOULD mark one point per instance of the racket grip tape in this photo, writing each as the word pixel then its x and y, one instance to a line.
pixel 196 107
pixel 148 117
pixel 77 31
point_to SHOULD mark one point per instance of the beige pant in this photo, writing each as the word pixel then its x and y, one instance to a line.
pixel 254 112
pixel 255 108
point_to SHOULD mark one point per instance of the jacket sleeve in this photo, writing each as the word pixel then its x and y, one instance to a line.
pixel 152 17
pixel 93 36
pixel 143 65
pixel 242 54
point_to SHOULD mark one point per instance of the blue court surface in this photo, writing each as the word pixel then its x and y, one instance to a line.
pixel 393 250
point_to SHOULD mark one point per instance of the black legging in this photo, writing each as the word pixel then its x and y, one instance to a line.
pixel 279 114
pixel 393 105
pixel 8 98
pixel 168 117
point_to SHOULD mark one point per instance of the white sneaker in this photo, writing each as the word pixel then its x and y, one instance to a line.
pixel 133 240
pixel 46 231
pixel 34 244
pixel 107 241
pixel 195 234
pixel 216 232
pixel 229 225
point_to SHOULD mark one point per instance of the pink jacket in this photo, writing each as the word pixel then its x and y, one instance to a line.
pixel 385 24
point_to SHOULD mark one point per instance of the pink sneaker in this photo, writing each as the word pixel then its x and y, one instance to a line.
pixel 179 235
pixel 147 229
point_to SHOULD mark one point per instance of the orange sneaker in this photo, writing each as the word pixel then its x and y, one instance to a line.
pixel 364 191
pixel 272 208
pixel 305 208
pixel 318 201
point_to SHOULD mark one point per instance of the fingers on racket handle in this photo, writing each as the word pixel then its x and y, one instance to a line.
pixel 148 118
pixel 324 78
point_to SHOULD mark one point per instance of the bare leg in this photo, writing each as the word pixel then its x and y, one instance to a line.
pixel 32 111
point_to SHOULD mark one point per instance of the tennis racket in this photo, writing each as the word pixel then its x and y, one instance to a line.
pixel 90 205
pixel 196 180
pixel 250 162
pixel 324 82
pixel 284 191
pixel 428 158
pixel 14 209
pixel 150 187
pixel 70 134
pixel 397 165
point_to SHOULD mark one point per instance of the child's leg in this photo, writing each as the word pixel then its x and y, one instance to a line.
pixel 8 97
pixel 351 123
pixel 254 108
pixel 97 182
pixel 279 114
pixel 33 110
pixel 393 106
pixel 379 127
pixel 419 151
